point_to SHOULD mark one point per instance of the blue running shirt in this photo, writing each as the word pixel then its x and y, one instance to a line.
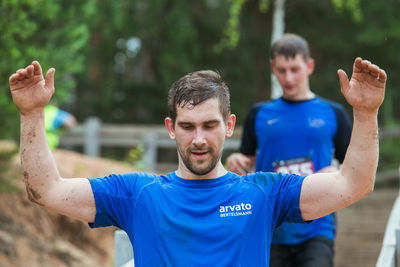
pixel 227 221
pixel 298 137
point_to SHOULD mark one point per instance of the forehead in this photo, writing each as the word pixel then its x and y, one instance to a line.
pixel 283 61
pixel 205 111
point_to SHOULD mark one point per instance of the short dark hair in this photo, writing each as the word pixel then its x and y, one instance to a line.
pixel 196 87
pixel 290 45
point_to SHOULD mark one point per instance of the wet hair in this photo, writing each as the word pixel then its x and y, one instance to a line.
pixel 290 45
pixel 197 87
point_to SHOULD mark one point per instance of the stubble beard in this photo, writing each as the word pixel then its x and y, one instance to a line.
pixel 195 167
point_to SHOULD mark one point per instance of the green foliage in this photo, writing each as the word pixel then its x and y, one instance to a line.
pixel 231 34
pixel 135 157
pixel 389 156
pixel 53 32
pixel 352 5
pixel 263 6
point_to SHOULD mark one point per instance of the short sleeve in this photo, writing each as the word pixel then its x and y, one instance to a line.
pixel 115 198
pixel 283 191
pixel 286 199
pixel 249 140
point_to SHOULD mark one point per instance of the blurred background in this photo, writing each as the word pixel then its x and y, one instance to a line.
pixel 116 59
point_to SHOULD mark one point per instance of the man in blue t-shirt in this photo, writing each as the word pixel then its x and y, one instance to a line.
pixel 298 133
pixel 201 214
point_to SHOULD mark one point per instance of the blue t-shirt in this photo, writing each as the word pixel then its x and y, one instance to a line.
pixel 227 221
pixel 297 137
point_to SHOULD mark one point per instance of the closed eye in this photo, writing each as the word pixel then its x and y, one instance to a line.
pixel 186 126
pixel 211 125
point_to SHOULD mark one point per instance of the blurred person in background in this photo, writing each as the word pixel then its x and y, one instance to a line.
pixel 299 133
pixel 56 120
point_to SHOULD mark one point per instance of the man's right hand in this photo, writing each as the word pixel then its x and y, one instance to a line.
pixel 240 163
pixel 29 90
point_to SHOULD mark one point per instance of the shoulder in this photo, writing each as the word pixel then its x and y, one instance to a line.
pixel 274 182
pixel 334 105
pixel 123 184
pixel 341 114
pixel 265 104
pixel 259 106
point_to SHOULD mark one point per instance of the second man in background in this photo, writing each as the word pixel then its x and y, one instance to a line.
pixel 297 133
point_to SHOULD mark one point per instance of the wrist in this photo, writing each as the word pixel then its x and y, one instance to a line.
pixel 32 114
pixel 365 115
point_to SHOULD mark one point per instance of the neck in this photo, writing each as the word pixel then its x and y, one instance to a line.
pixel 185 173
pixel 305 96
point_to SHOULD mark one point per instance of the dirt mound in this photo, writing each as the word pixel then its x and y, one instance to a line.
pixel 33 236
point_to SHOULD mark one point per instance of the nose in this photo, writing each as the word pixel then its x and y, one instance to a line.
pixel 288 77
pixel 199 138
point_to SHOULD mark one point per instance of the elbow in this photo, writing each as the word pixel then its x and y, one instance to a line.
pixel 33 194
pixel 371 187
pixel 368 188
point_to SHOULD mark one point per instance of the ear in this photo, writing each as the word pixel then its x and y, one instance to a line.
pixel 310 66
pixel 230 125
pixel 170 127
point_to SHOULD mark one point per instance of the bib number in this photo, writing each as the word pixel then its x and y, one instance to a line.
pixel 301 166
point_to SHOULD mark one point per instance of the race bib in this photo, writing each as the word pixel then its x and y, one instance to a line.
pixel 301 166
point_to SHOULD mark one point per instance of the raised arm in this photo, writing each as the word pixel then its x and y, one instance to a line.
pixel 44 185
pixel 323 193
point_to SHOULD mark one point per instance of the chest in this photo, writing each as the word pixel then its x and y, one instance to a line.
pixel 302 123
pixel 200 216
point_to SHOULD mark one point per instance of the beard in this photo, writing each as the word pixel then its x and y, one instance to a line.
pixel 199 167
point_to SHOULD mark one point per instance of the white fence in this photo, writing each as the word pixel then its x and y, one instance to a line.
pixel 390 252
pixel 123 250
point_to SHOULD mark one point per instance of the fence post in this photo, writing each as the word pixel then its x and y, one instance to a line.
pixel 150 154
pixel 92 137
pixel 123 249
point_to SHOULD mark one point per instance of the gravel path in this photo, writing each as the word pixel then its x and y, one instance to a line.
pixel 361 228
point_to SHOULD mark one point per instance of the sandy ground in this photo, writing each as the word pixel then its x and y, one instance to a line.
pixel 32 236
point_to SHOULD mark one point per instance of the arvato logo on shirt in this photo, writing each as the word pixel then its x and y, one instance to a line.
pixel 235 210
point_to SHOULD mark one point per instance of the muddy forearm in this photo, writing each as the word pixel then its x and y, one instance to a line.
pixel 38 164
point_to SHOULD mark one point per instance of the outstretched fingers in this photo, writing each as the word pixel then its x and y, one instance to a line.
pixel 13 78
pixel 29 70
pixel 382 76
pixel 25 76
pixel 365 66
pixel 37 68
pixel 357 66
pixel 22 74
